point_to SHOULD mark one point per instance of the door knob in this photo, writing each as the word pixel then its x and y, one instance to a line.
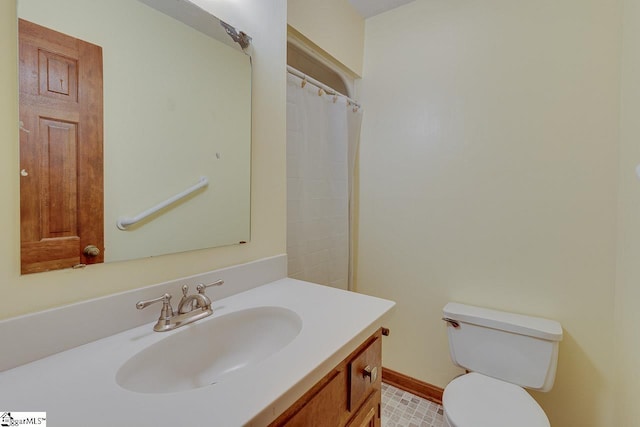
pixel 91 251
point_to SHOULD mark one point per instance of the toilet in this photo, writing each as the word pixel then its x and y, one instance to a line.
pixel 503 353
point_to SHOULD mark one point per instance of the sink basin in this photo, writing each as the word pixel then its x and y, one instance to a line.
pixel 209 351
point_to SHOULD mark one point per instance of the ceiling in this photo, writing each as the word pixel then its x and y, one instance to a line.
pixel 369 8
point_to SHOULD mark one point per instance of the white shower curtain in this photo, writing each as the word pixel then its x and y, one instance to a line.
pixel 322 139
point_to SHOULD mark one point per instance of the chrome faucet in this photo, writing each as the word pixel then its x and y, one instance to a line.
pixel 190 308
pixel 189 303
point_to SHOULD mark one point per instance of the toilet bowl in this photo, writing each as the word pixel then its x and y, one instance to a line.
pixel 503 353
pixel 476 400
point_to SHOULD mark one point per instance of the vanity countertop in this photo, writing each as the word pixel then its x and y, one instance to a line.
pixel 78 387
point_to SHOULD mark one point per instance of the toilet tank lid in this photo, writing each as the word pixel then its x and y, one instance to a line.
pixel 517 323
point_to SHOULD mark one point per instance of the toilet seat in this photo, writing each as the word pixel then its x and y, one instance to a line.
pixel 475 400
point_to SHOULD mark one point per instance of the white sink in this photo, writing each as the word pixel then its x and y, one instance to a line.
pixel 280 338
pixel 206 352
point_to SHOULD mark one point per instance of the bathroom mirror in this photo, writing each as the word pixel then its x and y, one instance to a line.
pixel 176 120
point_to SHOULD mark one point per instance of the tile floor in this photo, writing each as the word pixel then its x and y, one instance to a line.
pixel 403 409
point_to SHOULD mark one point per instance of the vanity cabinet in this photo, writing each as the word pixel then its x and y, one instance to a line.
pixel 349 395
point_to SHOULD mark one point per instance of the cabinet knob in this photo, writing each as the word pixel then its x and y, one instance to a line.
pixel 370 372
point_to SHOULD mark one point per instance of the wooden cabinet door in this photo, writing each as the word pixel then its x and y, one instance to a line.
pixel 327 407
pixel 61 137
pixel 344 396
pixel 360 385
pixel 369 414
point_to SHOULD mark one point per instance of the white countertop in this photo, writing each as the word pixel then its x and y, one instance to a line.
pixel 78 387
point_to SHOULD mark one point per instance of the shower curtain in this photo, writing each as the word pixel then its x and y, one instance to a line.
pixel 322 138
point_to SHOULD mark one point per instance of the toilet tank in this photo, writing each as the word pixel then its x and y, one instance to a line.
pixel 518 349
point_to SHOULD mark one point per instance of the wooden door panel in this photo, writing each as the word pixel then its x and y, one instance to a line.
pixel 37 255
pixel 59 172
pixel 29 162
pixel 90 158
pixel 61 114
pixel 58 76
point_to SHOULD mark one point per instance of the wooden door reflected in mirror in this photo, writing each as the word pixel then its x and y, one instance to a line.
pixel 61 135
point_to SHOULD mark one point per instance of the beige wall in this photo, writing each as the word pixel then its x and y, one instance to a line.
pixel 333 25
pixel 488 175
pixel 265 21
pixel 628 291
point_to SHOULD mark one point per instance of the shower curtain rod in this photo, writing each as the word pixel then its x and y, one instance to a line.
pixel 324 87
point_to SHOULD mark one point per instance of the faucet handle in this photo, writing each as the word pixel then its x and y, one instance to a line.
pixel 201 288
pixel 166 312
pixel 144 304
